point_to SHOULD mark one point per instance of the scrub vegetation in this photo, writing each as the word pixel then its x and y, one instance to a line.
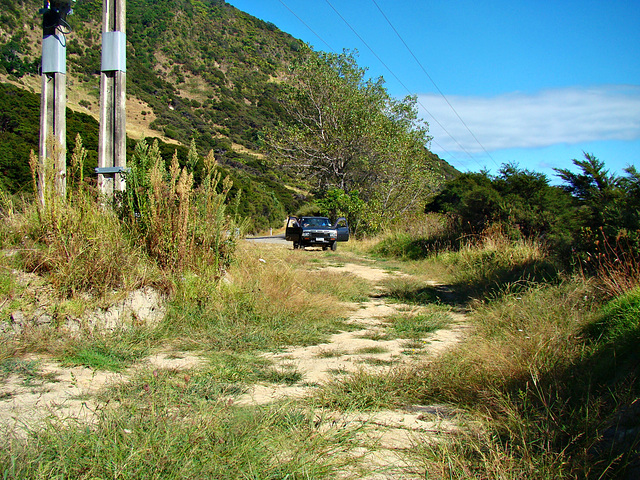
pixel 543 280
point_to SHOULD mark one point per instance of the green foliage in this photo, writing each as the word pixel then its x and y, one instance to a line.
pixel 12 59
pixel 337 203
pixel 522 201
pixel 265 200
pixel 618 320
pixel 80 246
pixel 608 207
pixel 20 132
pixel 345 133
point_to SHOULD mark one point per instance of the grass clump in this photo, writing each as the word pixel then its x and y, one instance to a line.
pixel 364 391
pixel 171 434
pixel 111 351
pixel 416 326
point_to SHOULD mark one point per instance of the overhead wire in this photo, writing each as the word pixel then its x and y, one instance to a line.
pixel 433 141
pixel 432 81
pixel 401 83
pixel 304 23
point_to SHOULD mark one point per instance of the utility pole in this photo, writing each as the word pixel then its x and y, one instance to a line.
pixel 112 154
pixel 53 124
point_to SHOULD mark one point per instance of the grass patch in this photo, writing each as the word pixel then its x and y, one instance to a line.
pixel 109 351
pixel 363 391
pixel 177 436
pixel 343 286
pixel 27 370
pixel 371 350
pixel 537 388
pixel 417 325
pixel 618 318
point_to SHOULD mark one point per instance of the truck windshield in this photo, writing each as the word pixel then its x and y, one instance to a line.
pixel 316 222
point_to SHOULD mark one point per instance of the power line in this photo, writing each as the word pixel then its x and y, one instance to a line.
pixel 390 71
pixel 395 76
pixel 432 81
pixel 303 22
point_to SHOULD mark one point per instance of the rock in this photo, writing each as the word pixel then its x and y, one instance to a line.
pixel 17 318
pixel 141 307
pixel 41 317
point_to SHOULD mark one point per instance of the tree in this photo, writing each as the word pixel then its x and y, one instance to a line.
pixel 609 205
pixel 345 132
pixel 520 200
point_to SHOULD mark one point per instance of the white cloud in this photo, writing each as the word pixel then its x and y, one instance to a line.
pixel 521 120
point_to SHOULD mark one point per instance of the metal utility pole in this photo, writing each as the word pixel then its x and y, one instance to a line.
pixel 112 154
pixel 53 124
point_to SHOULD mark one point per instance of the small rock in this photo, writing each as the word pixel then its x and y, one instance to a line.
pixel 40 317
pixel 17 317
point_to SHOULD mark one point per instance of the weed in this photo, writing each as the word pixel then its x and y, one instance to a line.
pixel 371 350
pixel 417 325
pixel 376 335
pixel 378 362
pixel 330 353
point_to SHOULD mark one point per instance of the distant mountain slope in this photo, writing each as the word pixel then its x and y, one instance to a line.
pixel 195 69
pixel 199 68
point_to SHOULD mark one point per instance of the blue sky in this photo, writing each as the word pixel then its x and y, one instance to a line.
pixel 535 83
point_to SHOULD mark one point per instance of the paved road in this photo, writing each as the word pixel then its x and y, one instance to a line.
pixel 279 239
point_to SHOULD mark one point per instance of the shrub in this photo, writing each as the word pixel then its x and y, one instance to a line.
pixel 180 226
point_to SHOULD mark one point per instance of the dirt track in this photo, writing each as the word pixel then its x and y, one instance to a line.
pixel 68 392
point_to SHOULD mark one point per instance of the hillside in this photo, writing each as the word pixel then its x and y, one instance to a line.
pixel 201 70
pixel 191 66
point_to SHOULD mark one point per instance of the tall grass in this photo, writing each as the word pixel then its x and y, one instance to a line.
pixel 165 226
pixel 182 226
pixel 546 396
pixel 265 302
pixel 180 426
pixel 548 380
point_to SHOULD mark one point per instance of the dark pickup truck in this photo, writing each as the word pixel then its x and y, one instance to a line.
pixel 316 232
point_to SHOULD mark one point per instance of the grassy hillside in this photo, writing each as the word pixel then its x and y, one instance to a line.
pixel 201 71
pixel 202 67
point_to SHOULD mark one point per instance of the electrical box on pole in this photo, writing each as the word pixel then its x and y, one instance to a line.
pixel 112 161
pixel 53 125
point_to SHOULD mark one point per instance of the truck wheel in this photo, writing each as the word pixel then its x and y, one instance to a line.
pixel 334 245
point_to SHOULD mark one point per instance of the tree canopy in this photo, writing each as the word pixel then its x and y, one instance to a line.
pixel 345 132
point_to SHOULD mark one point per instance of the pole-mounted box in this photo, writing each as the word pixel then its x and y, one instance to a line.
pixel 114 51
pixel 54 54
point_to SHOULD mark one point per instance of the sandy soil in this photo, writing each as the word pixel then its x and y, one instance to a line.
pixel 384 436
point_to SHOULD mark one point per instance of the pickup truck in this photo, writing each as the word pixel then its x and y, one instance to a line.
pixel 316 232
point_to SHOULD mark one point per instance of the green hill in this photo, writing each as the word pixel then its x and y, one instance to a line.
pixel 200 70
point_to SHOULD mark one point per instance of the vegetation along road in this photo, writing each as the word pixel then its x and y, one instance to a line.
pixel 353 333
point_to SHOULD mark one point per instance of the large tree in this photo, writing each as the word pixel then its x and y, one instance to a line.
pixel 346 132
